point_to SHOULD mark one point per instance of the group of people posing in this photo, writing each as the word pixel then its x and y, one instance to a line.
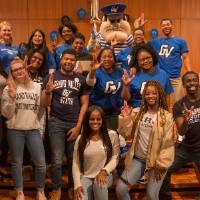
pixel 126 94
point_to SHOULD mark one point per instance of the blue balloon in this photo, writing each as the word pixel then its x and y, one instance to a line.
pixel 53 35
pixel 81 13
pixel 154 33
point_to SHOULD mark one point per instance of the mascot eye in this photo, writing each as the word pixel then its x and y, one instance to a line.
pixel 126 17
pixel 104 18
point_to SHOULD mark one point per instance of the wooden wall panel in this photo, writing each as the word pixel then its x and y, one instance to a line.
pixel 159 9
pixel 12 9
pixel 70 8
pixel 47 25
pixel 190 9
pixel 50 9
pixel 20 30
pixel 190 31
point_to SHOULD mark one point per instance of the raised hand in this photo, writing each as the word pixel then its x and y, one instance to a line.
pixel 26 62
pixel 126 80
pixel 11 90
pixel 187 113
pixel 95 64
pixel 50 85
pixel 126 110
pixel 140 21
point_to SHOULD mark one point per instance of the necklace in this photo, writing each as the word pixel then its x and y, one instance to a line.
pixel 95 137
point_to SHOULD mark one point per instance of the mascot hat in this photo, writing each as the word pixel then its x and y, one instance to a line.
pixel 114 11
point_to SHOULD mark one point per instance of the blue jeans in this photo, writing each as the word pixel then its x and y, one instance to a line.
pixel 58 143
pixel 33 140
pixel 92 191
pixel 182 156
pixel 135 172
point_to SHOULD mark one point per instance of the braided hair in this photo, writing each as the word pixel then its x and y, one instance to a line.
pixel 144 107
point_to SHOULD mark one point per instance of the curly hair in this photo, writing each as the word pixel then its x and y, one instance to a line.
pixel 136 52
pixel 86 134
pixel 144 106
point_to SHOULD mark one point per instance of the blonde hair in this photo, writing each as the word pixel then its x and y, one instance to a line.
pixel 5 23
pixel 27 82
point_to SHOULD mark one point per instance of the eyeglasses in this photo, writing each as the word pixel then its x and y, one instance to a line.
pixel 18 69
pixel 145 59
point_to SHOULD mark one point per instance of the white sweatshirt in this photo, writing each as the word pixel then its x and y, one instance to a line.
pixel 22 111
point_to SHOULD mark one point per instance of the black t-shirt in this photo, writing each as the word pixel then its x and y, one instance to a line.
pixel 65 103
pixel 192 137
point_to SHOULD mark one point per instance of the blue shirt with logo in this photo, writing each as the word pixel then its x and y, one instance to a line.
pixel 138 82
pixel 107 90
pixel 170 51
pixel 124 57
pixel 7 54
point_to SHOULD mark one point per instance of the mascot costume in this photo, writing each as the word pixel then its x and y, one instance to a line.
pixel 115 30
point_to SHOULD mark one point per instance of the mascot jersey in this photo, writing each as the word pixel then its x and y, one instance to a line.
pixel 118 47
pixel 107 90
pixel 170 51
pixel 137 85
pixel 7 54
pixel 124 57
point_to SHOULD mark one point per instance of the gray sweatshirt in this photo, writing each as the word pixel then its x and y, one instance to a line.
pixel 22 111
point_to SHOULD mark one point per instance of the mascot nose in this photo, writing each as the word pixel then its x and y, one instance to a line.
pixel 116 25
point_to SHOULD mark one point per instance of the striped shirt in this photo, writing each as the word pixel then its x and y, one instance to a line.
pixel 118 47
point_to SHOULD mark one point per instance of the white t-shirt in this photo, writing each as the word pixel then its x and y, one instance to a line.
pixel 144 134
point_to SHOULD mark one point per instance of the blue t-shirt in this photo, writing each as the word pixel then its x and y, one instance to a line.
pixel 170 51
pixel 107 90
pixel 51 61
pixel 63 47
pixel 138 82
pixel 7 54
pixel 59 51
pixel 124 57
pixel 65 103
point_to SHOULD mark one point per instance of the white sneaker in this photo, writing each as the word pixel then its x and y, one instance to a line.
pixel 20 196
pixel 40 195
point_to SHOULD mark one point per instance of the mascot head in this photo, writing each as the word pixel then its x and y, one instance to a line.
pixel 115 23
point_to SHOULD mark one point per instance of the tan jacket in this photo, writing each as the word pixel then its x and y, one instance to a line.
pixel 161 148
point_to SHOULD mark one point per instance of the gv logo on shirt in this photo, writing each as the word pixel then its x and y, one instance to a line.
pixel 111 87
pixel 165 50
